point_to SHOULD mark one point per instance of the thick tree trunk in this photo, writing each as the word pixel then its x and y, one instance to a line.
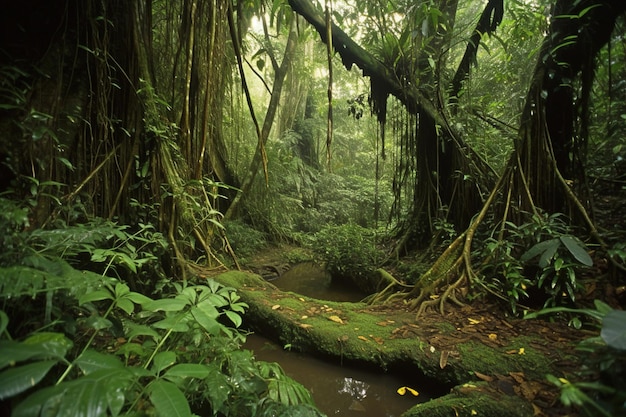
pixel 551 139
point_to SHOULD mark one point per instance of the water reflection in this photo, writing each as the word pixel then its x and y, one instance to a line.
pixel 337 390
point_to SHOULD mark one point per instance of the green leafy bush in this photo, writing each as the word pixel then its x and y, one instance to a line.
pixel 176 355
pixel 244 239
pixel 541 254
pixel 349 252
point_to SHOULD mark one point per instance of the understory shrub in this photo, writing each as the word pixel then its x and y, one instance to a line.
pixel 541 255
pixel 349 252
pixel 77 340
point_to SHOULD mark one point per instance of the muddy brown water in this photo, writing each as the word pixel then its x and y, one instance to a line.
pixel 340 390
pixel 337 390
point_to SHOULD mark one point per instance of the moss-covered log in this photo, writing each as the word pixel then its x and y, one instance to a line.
pixel 393 339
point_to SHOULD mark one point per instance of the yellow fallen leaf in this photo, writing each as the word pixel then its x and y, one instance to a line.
pixel 300 298
pixel 275 306
pixel 521 351
pixel 474 412
pixel 336 319
pixel 493 336
pixel 363 338
pixel 473 321
pixel 403 390
pixel 304 317
pixel 305 326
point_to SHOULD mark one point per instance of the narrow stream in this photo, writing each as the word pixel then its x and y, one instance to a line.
pixel 337 390
pixel 311 280
pixel 340 391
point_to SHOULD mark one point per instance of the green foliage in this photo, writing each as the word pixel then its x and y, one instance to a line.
pixel 540 254
pixel 348 251
pixel 561 256
pixel 244 239
pixel 600 388
pixel 176 354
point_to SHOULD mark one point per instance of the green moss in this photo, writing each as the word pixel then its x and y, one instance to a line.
pixel 472 400
pixel 357 332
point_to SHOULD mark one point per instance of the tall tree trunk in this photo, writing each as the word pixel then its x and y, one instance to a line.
pixel 552 137
pixel 280 71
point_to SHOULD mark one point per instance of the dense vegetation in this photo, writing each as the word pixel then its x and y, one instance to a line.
pixel 432 152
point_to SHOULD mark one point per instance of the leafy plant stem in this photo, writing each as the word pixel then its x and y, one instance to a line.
pixel 70 366
pixel 157 348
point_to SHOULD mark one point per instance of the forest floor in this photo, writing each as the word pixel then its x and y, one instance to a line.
pixel 487 324
pixel 477 324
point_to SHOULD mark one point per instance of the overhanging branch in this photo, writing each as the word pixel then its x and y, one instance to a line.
pixel 353 54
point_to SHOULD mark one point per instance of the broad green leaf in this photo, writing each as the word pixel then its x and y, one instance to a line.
pixel 163 360
pixel 234 317
pixel 91 361
pixel 12 352
pixel 16 380
pixel 602 307
pixel 48 397
pixel 539 248
pixel 85 398
pixel 188 370
pixel 220 388
pixel 577 249
pixel 98 322
pixel 121 289
pixel 165 304
pixel 207 322
pixel 115 401
pixel 95 296
pixel 548 254
pixel 55 344
pixel 208 307
pixel 614 329
pixel 126 305
pixel 135 330
pixel 137 298
pixel 168 400
pixel 177 323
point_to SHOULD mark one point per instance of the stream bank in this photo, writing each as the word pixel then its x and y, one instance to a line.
pixel 491 362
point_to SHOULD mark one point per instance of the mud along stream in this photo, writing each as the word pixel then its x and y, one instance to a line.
pixel 338 389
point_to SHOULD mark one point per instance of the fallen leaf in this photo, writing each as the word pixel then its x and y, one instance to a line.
pixel 305 326
pixel 304 317
pixel 473 321
pixel 363 338
pixel 336 319
pixel 301 299
pixel 484 377
pixel 443 358
pixel 378 340
pixel 275 306
pixel 493 336
pixel 521 351
pixel 403 390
